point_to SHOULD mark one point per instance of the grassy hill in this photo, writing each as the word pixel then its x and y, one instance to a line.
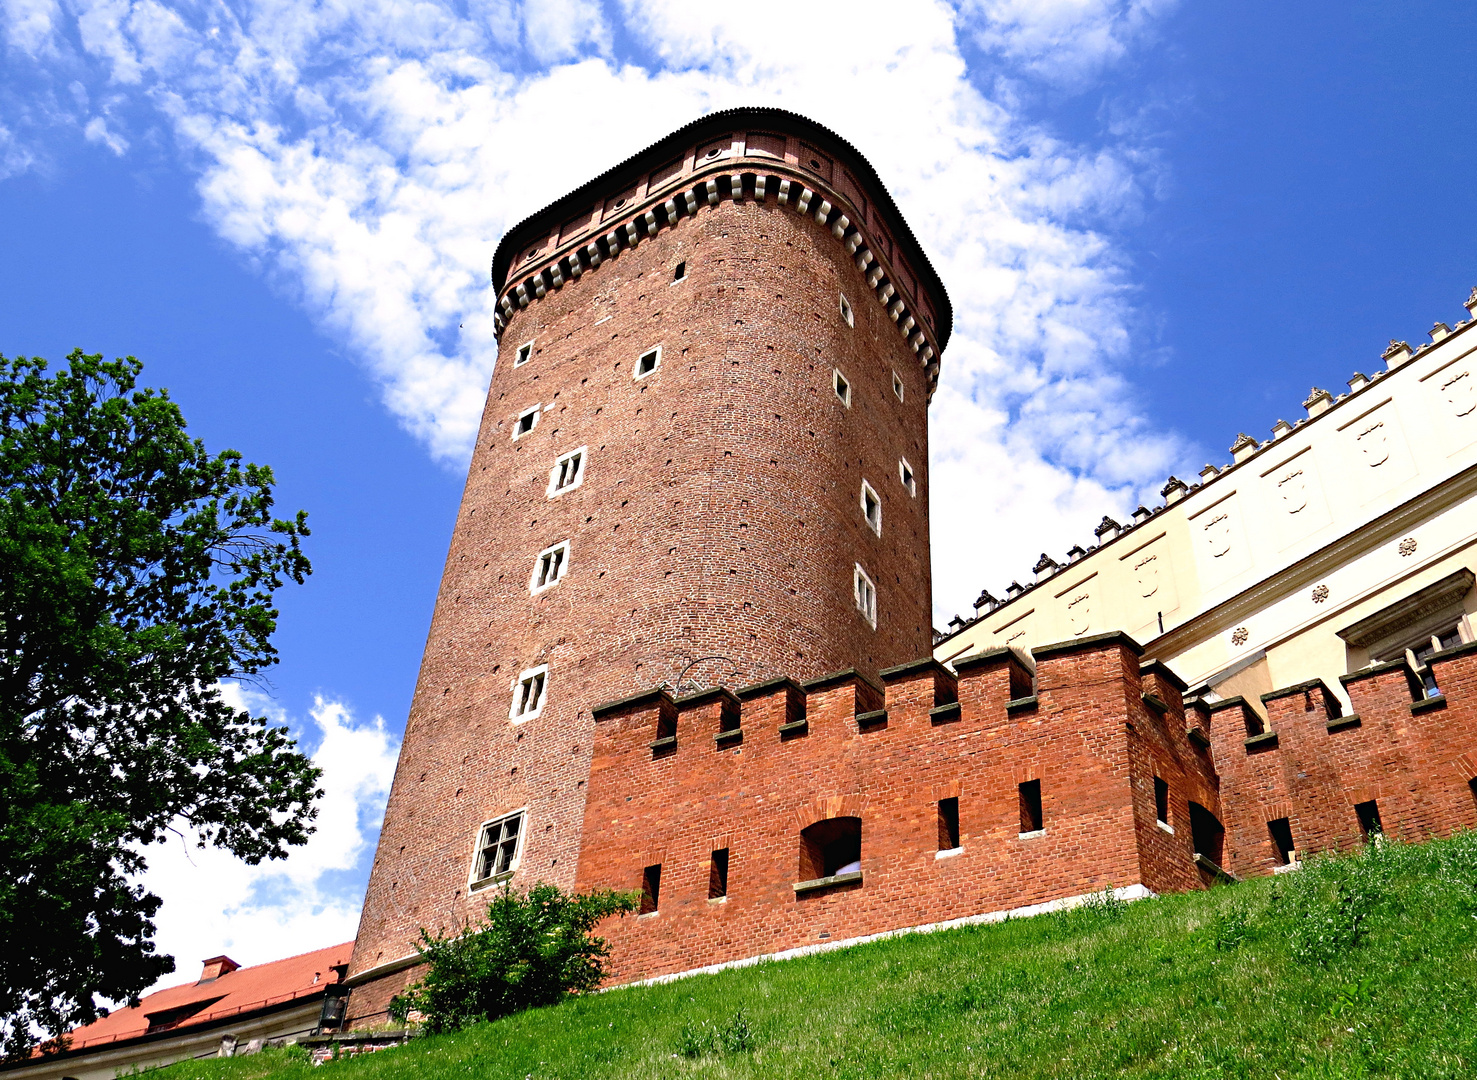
pixel 1364 966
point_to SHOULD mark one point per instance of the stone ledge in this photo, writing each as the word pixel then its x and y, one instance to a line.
pixel 827 882
pixel 726 738
pixel 943 714
pixel 1430 704
pixel 795 730
pixel 1021 703
pixel 1267 740
pixel 868 720
pixel 1345 722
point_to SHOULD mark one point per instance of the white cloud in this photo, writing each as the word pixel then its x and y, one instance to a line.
pixel 215 903
pixel 369 157
pixel 97 131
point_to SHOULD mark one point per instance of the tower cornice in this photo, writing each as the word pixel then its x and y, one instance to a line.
pixel 761 154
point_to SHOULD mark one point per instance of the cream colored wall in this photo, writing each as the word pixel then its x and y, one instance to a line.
pixel 1299 538
pixel 106 1063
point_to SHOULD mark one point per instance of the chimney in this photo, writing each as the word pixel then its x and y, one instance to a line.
pixel 1281 428
pixel 1045 567
pixel 1141 515
pixel 1013 590
pixel 1397 354
pixel 1107 528
pixel 1075 552
pixel 985 601
pixel 1318 402
pixel 1243 448
pixel 1358 382
pixel 1173 491
pixel 1437 332
pixel 1209 473
pixel 217 966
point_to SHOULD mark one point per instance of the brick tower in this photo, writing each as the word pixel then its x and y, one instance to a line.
pixel 703 462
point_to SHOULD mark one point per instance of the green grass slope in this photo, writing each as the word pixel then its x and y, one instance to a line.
pixel 1363 966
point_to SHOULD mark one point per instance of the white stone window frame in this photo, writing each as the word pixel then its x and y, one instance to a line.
pixel 871 504
pixel 848 314
pixel 907 476
pixel 864 593
pixel 534 412
pixel 476 884
pixel 636 372
pixel 529 676
pixel 561 548
pixel 579 476
pixel 897 386
pixel 842 386
pixel 524 353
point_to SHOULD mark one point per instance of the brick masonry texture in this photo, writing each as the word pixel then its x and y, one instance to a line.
pixel 719 515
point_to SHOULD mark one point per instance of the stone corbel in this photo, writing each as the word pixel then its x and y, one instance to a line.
pixel 759 186
pixel 712 187
pixel 823 212
pixel 840 225
pixel 784 193
pixel 736 187
pixel 805 196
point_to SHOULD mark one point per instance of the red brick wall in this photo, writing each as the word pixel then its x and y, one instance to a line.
pixel 1089 738
pixel 719 514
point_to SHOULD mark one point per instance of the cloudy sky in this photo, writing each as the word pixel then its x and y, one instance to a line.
pixel 1160 224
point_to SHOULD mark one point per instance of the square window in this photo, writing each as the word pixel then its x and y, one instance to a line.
pixel 499 846
pixel 871 508
pixel 897 385
pixel 568 472
pixel 866 596
pixel 1030 801
pixel 529 694
pixel 718 875
pixel 846 312
pixel 842 387
pixel 679 273
pixel 905 474
pixel 549 567
pixel 648 362
pixel 526 421
pixel 524 354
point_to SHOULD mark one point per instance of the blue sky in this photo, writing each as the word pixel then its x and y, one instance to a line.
pixel 1161 223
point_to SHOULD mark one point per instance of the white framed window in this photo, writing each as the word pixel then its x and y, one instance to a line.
pixel 897 386
pixel 871 508
pixel 679 272
pixel 866 595
pixel 524 354
pixel 905 474
pixel 842 386
pixel 847 313
pixel 647 362
pixel 499 849
pixel 568 472
pixel 549 567
pixel 529 694
pixel 526 421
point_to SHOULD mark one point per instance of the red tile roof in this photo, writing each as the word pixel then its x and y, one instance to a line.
pixel 196 1004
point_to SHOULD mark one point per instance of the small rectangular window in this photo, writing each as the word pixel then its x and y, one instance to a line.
pixel 843 388
pixel 718 875
pixel 524 354
pixel 568 472
pixel 905 474
pixel 680 272
pixel 1030 800
pixel 549 567
pixel 948 824
pixel 648 362
pixel 846 312
pixel 499 844
pixel 1161 801
pixel 866 596
pixel 897 386
pixel 651 889
pixel 526 420
pixel 529 693
pixel 1369 819
pixel 871 508
pixel 1281 833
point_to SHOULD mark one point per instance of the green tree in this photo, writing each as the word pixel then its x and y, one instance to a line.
pixel 136 573
pixel 531 950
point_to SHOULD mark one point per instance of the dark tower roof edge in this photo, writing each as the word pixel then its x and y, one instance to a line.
pixel 551 216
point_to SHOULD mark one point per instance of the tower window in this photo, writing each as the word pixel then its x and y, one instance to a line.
pixel 679 273
pixel 847 313
pixel 524 354
pixel 831 847
pixel 529 693
pixel 648 362
pixel 1281 833
pixel 1161 803
pixel 526 420
pixel 948 824
pixel 871 508
pixel 499 845
pixel 897 385
pixel 1030 800
pixel 549 567
pixel 718 875
pixel 651 889
pixel 842 386
pixel 568 472
pixel 1369 819
pixel 866 596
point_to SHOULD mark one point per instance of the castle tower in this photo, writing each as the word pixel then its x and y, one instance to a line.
pixel 703 461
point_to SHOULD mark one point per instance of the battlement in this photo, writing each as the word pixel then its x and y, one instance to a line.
pixel 1005 782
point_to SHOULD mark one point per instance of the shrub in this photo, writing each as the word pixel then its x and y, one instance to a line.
pixel 1329 902
pixel 1231 927
pixel 530 950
